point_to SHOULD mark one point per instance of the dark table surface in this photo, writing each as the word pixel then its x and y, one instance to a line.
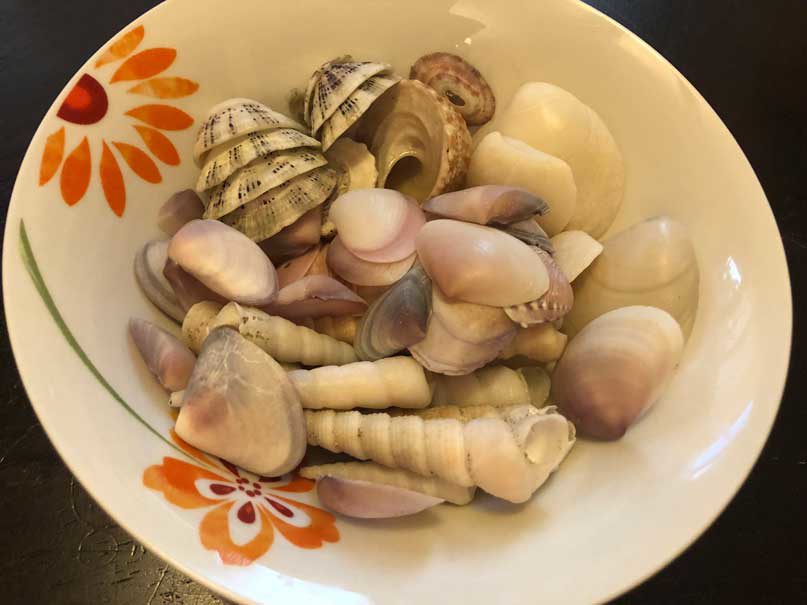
pixel 747 57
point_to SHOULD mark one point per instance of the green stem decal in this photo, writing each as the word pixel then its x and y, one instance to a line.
pixel 30 263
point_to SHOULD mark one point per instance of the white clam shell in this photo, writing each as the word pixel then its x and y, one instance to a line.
pixel 556 122
pixel 178 210
pixel 365 500
pixel 234 118
pixel 148 267
pixel 360 272
pixel 652 263
pixel 226 261
pixel 615 368
pixel 480 264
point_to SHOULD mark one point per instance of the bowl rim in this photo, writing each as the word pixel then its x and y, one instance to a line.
pixel 659 565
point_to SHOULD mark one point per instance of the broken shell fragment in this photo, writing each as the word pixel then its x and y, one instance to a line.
pixel 480 264
pixel 653 263
pixel 296 268
pixel 316 296
pixel 553 305
pixel 365 500
pixel 396 320
pixel 282 206
pixel 226 261
pixel 377 225
pixel 488 204
pixel 542 343
pixel 616 368
pixel 180 209
pixel 165 355
pixel 240 406
pixel 574 252
pixel 360 272
pixel 234 118
pixel 196 325
pixel 148 269
pixel 421 144
pixel 501 160
pixel 460 83
pixel 382 475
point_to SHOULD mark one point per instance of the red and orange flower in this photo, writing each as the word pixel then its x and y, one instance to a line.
pixel 88 103
pixel 245 508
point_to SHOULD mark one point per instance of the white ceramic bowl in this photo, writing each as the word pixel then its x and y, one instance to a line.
pixel 616 512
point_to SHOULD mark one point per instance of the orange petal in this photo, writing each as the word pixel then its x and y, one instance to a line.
pixel 52 156
pixel 298 484
pixel 122 47
pixel 166 88
pixel 322 528
pixel 176 479
pixel 195 453
pixel 138 161
pixel 163 117
pixel 214 531
pixel 159 145
pixel 112 181
pixel 145 64
pixel 76 173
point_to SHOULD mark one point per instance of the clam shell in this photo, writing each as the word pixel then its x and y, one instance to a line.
pixel 234 118
pixel 280 207
pixel 349 112
pixel 335 83
pixel 148 268
pixel 224 162
pixel 254 180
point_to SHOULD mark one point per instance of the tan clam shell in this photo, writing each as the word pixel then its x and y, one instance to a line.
pixel 242 151
pixel 283 205
pixel 354 107
pixel 253 181
pixel 334 84
pixel 234 118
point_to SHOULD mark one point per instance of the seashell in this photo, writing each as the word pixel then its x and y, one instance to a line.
pixel 240 152
pixel 382 475
pixel 196 325
pixel 489 204
pixel 462 337
pixel 492 386
pixel 370 293
pixel 574 252
pixel 377 225
pixel 555 303
pixel 542 343
pixel 615 368
pixel 538 384
pixel 235 118
pixel 342 328
pixel 175 399
pixel 466 413
pixel 553 120
pixel 349 112
pixel 480 264
pixel 531 233
pixel 280 207
pixel 187 289
pixel 398 319
pixel 460 82
pixel 165 355
pixel 148 269
pixel 365 500
pixel 421 144
pixel 259 177
pixel 501 160
pixel 391 382
pixel 356 168
pixel 226 261
pixel 295 239
pixel 240 406
pixel 353 269
pixel 333 83
pixel 180 209
pixel 653 263
pixel 316 296
pixel 296 268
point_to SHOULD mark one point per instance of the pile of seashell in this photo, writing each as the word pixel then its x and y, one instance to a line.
pixel 380 283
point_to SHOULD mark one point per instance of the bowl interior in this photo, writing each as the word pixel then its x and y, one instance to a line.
pixel 615 512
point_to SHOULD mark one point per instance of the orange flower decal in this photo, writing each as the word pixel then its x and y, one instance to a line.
pixel 89 102
pixel 245 509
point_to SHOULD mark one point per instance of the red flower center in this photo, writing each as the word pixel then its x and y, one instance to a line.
pixel 87 103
